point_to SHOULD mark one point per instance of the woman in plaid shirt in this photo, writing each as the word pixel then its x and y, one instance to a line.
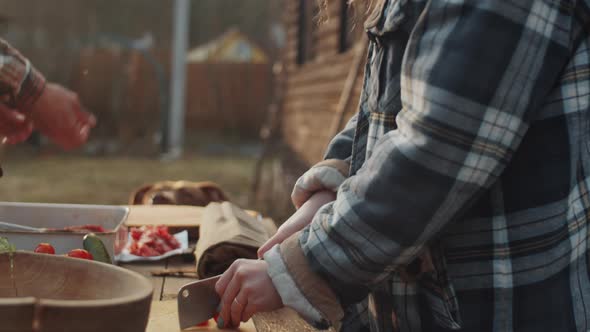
pixel 463 204
pixel 28 103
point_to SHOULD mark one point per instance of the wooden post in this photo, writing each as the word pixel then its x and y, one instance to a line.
pixel 178 79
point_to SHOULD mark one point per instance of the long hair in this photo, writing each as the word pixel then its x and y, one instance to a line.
pixel 365 10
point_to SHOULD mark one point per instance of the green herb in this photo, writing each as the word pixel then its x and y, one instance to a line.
pixel 6 247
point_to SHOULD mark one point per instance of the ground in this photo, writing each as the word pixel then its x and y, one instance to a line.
pixel 48 175
pixel 110 180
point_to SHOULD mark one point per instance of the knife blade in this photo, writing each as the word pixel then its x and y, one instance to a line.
pixel 197 302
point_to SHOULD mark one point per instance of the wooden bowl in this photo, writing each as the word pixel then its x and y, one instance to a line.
pixel 48 293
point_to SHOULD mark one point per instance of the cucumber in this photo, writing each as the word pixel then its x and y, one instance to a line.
pixel 94 246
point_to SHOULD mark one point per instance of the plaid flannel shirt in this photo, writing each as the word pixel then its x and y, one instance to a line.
pixel 20 83
pixel 471 148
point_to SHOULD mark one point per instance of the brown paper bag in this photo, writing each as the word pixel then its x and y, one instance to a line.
pixel 228 233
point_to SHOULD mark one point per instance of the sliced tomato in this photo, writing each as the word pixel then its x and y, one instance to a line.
pixel 136 234
pixel 80 253
pixel 45 248
pixel 172 242
pixel 93 228
pixel 152 241
pixel 85 228
pixel 147 251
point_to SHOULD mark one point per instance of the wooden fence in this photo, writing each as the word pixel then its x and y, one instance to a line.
pixel 122 88
pixel 228 96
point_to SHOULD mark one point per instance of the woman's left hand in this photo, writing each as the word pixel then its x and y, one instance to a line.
pixel 245 289
pixel 14 127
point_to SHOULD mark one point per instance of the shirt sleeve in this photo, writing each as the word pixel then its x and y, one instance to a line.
pixel 474 73
pixel 329 173
pixel 20 83
pixel 340 146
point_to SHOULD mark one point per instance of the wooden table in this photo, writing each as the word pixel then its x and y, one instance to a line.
pixel 164 313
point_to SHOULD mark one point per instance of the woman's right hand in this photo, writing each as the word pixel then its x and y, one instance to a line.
pixel 14 127
pixel 59 116
pixel 301 218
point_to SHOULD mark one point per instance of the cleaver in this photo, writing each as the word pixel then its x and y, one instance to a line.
pixel 197 302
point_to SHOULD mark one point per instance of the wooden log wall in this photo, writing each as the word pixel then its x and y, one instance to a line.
pixel 314 87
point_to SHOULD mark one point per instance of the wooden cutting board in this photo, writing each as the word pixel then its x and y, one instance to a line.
pixel 175 216
pixel 283 320
pixel 164 318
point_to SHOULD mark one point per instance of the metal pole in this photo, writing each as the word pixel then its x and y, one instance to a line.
pixel 178 78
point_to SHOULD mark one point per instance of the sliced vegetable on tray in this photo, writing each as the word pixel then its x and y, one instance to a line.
pixel 149 241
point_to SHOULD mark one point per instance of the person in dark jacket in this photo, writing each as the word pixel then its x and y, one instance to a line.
pixel 28 102
pixel 467 164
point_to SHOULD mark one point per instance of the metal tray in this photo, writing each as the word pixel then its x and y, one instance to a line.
pixel 42 215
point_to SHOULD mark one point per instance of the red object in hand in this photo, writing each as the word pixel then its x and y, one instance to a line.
pixel 45 248
pixel 216 317
pixel 80 253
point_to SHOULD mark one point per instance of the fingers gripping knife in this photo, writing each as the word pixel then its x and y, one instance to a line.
pixel 197 302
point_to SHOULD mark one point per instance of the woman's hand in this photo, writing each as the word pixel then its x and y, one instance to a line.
pixel 58 115
pixel 245 289
pixel 298 220
pixel 14 127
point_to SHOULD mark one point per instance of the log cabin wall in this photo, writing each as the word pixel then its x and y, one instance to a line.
pixel 318 58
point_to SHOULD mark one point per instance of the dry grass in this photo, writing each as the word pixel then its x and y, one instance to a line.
pixel 75 179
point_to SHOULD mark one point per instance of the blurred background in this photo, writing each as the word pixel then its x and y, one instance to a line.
pixel 244 93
